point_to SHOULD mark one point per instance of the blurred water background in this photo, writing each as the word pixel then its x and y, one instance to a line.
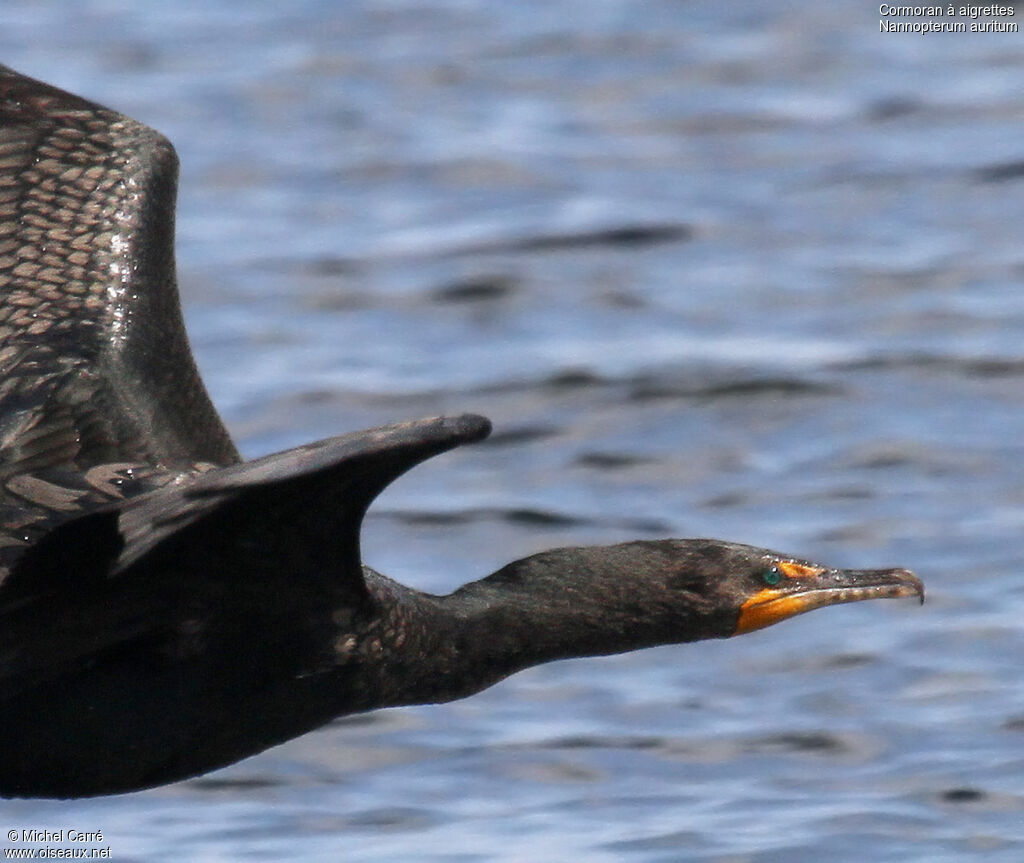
pixel 748 270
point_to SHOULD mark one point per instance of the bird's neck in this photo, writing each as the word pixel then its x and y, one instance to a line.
pixel 523 616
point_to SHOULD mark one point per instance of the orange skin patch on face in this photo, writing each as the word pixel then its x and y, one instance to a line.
pixel 767 607
pixel 792 569
pixel 782 600
pixel 771 605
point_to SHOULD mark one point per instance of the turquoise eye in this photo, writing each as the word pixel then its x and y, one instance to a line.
pixel 772 576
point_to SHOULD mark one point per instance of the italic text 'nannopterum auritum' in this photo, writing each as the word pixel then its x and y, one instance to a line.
pixel 165 608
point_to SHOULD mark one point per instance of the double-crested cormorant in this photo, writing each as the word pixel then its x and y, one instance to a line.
pixel 166 609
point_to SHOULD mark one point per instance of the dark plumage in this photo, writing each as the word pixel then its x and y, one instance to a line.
pixel 164 608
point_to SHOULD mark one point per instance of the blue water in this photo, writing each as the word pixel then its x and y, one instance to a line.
pixel 740 270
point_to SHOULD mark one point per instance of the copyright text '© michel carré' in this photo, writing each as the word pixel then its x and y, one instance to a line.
pixel 60 836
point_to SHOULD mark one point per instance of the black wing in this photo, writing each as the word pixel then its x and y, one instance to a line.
pixel 95 366
pixel 301 508
pixel 275 533
pixel 296 513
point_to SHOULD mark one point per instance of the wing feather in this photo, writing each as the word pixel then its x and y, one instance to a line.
pixel 251 535
pixel 95 365
pixel 298 510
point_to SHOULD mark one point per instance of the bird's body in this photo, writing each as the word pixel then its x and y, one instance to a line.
pixel 166 609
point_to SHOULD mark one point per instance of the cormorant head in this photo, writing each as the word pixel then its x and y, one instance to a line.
pixel 607 599
pixel 741 588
